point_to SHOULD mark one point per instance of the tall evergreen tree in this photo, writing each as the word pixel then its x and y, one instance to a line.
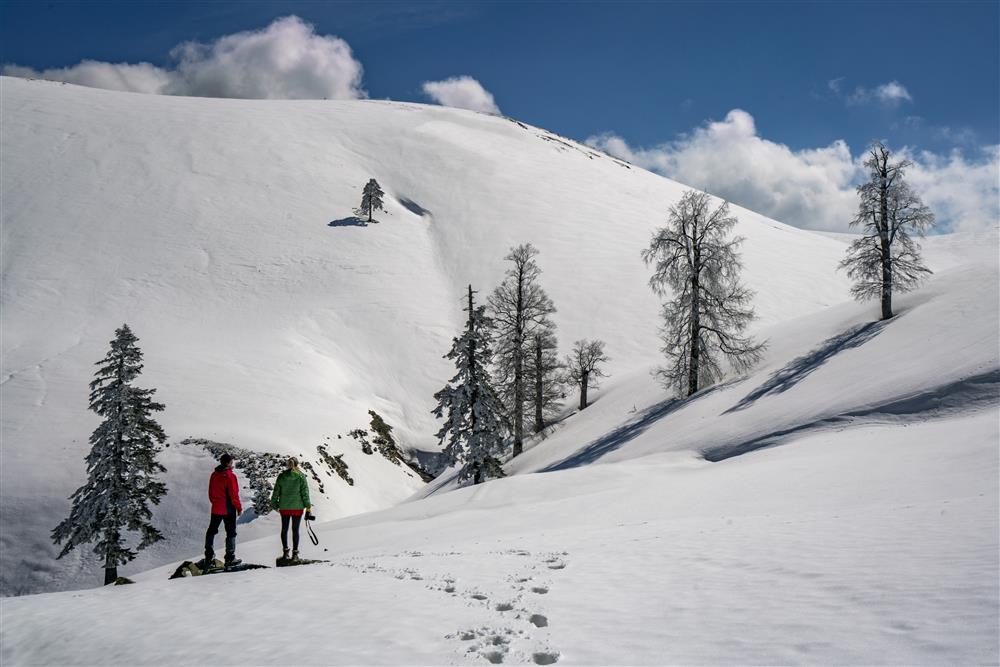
pixel 543 372
pixel 696 260
pixel 583 366
pixel 474 425
pixel 520 308
pixel 371 199
pixel 886 258
pixel 121 466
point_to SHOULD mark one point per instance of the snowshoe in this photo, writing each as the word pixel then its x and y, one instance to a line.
pixel 288 562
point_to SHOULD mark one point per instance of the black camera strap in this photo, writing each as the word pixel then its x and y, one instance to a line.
pixel 312 534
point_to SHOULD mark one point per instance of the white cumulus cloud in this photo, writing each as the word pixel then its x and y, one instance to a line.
pixel 813 187
pixel 285 60
pixel 462 92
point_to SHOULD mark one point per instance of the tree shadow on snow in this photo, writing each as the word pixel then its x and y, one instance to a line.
pixel 615 439
pixel 800 368
pixel 352 221
pixel 413 207
pixel 958 397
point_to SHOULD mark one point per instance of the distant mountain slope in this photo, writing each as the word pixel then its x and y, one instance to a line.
pixel 221 231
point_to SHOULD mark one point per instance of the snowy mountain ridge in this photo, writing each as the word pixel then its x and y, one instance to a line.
pixel 221 231
pixel 838 504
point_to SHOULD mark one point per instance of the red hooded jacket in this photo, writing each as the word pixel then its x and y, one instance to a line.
pixel 224 491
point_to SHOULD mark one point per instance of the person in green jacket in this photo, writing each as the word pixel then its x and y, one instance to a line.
pixel 291 499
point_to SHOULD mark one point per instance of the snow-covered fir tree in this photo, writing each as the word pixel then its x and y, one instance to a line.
pixel 474 425
pixel 121 466
pixel 697 263
pixel 520 308
pixel 371 199
pixel 583 366
pixel 543 371
pixel 886 258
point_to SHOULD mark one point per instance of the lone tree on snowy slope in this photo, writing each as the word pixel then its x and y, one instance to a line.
pixel 121 465
pixel 371 199
pixel 696 260
pixel 886 257
pixel 583 366
pixel 543 372
pixel 474 423
pixel 520 308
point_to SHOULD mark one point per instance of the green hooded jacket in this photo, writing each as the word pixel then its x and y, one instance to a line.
pixel 291 491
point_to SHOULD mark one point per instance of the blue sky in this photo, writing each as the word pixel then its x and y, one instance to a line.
pixel 923 75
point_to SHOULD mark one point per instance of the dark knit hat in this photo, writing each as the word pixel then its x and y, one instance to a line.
pixel 225 459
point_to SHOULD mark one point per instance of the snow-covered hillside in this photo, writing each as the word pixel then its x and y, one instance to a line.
pixel 221 231
pixel 839 504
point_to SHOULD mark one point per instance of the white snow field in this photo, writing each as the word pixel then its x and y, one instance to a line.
pixel 838 505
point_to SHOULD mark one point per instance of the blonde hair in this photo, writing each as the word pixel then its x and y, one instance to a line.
pixel 292 463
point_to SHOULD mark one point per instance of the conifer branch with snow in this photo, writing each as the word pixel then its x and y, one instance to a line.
pixel 474 428
pixel 121 466
pixel 696 262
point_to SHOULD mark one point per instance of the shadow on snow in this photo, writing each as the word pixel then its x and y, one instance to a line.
pixel 352 221
pixel 800 368
pixel 615 439
pixel 963 395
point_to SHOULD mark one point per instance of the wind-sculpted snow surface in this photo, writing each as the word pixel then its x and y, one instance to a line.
pixel 876 544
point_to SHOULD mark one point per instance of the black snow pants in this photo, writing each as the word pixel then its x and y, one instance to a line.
pixel 213 528
pixel 295 521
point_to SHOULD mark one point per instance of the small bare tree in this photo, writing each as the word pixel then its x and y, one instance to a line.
pixel 583 366
pixel 543 372
pixel 696 260
pixel 886 257
pixel 519 308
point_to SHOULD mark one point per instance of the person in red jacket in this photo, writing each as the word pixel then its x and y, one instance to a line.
pixel 224 493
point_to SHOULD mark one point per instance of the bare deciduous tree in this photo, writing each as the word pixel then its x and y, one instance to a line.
pixel 886 257
pixel 583 366
pixel 696 262
pixel 519 308
pixel 543 372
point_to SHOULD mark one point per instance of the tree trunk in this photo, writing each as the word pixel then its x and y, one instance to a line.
pixel 110 566
pixel 695 332
pixel 886 283
pixel 886 251
pixel 472 368
pixel 519 368
pixel 584 382
pixel 539 419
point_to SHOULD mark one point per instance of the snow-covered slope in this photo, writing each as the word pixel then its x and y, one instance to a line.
pixel 869 536
pixel 221 231
pixel 837 505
